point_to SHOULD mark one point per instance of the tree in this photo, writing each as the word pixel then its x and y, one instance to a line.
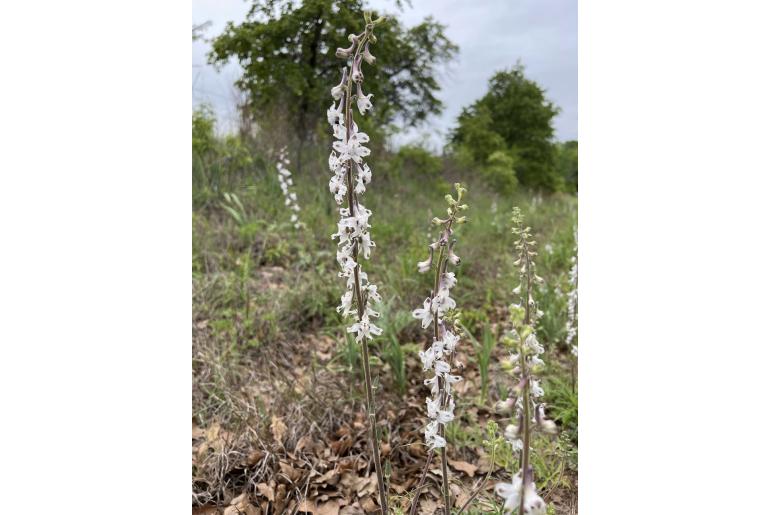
pixel 567 163
pixel 287 51
pixel 513 116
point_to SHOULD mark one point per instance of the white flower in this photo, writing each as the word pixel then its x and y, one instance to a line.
pixel 511 492
pixel 442 367
pixel 445 416
pixel 334 163
pixel 339 89
pixel 338 187
pixel 334 113
pixel 449 380
pixel 427 357
pixel 533 344
pixel 345 303
pixel 436 442
pixel 353 148
pixel 424 313
pixel 363 101
pixel 373 295
pixel 433 383
pixel 364 173
pixel 505 406
pixel 453 258
pixel 442 302
pixel 536 390
pixel 545 425
pixel 511 432
pixel 364 329
pixel 424 266
pixel 450 341
pixel 366 244
pixel 432 437
pixel 449 280
pixel 433 407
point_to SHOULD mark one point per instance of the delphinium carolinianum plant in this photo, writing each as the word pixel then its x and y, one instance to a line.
pixel 439 356
pixel 524 363
pixel 348 184
pixel 572 305
pixel 286 182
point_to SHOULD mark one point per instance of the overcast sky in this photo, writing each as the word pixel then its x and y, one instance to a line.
pixel 491 34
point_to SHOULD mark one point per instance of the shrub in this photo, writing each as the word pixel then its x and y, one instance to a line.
pixel 414 160
pixel 499 173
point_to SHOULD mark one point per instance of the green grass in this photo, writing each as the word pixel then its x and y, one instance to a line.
pixel 257 280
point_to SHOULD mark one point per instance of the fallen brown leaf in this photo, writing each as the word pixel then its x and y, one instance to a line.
pixel 266 491
pixel 278 428
pixel 368 505
pixel 254 458
pixel 464 466
pixel 428 506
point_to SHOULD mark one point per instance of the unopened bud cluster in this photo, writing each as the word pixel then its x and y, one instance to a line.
pixel 286 182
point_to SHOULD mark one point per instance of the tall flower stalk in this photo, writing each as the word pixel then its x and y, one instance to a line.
pixel 286 182
pixel 440 355
pixel 572 305
pixel 524 363
pixel 348 184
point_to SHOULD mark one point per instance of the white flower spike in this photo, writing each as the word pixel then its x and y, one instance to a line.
pixel 348 181
pixel 439 356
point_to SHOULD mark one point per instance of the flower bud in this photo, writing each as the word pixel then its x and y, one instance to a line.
pixel 505 407
pixel 357 75
pixel 339 89
pixel 424 266
pixel 368 57
pixel 543 424
pixel 461 220
pixel 507 364
pixel 437 221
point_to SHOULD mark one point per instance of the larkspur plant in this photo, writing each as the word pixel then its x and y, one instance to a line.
pixel 348 183
pixel 524 363
pixel 440 355
pixel 286 182
pixel 572 304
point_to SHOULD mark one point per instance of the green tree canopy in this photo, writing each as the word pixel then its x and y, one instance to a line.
pixel 286 50
pixel 513 116
pixel 567 163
